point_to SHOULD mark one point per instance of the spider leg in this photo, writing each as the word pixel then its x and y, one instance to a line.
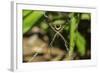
pixel 64 41
pixel 33 57
pixel 53 39
pixel 52 43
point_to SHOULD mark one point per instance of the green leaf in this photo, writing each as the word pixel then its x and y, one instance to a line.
pixel 73 27
pixel 26 12
pixel 75 18
pixel 31 19
pixel 80 43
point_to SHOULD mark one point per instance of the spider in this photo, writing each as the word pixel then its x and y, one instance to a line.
pixel 57 26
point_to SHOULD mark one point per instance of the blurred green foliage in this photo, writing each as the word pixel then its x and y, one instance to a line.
pixel 80 43
pixel 31 19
